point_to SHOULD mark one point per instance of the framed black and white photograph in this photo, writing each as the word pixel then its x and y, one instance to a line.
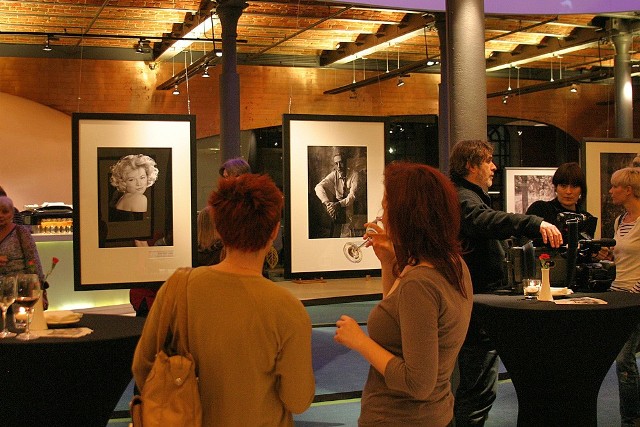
pixel 523 186
pixel 133 198
pixel 334 169
pixel 600 158
pixel 134 193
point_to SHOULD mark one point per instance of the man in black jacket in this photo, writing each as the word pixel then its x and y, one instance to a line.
pixel 483 233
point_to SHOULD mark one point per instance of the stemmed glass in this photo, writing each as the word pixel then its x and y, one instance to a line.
pixel 7 297
pixel 27 296
pixel 353 250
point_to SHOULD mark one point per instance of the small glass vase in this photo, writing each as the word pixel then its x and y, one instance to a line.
pixel 545 287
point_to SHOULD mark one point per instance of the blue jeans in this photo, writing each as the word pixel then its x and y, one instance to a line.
pixel 629 380
pixel 478 384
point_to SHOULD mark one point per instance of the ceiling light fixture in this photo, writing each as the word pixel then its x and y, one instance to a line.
pixel 216 52
pixel 176 91
pixel 574 88
pixel 560 66
pixel 386 51
pixel 509 87
pixel 205 73
pixel 551 69
pixel 364 68
pixel 143 46
pixel 400 82
pixel 353 66
pixel 504 99
pixel 47 46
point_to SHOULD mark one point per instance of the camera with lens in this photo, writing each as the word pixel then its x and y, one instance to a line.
pixel 575 266
pixel 590 275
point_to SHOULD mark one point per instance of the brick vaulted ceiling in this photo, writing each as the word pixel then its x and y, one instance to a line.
pixel 307 34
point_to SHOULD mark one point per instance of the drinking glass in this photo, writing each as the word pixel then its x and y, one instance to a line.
pixel 353 250
pixel 29 292
pixel 7 297
pixel 531 287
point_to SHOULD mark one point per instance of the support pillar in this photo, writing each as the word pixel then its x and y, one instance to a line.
pixel 444 145
pixel 622 39
pixel 466 77
pixel 229 12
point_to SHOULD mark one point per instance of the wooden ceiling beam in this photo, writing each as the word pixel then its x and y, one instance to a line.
pixel 386 34
pixel 580 39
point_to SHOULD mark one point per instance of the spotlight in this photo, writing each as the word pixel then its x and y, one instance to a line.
pixel 143 46
pixel 574 88
pixel 47 46
pixel 504 99
pixel 205 73
pixel 400 82
pixel 176 91
pixel 218 53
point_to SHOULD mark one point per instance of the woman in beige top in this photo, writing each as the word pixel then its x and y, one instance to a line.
pixel 250 338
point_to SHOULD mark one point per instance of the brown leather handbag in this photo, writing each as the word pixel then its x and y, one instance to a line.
pixel 170 395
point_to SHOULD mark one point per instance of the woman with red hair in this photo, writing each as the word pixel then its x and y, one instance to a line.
pixel 417 329
pixel 250 338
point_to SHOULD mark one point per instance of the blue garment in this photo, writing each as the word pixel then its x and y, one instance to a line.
pixel 629 380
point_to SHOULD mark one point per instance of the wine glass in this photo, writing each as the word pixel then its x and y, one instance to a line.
pixel 7 297
pixel 353 250
pixel 27 296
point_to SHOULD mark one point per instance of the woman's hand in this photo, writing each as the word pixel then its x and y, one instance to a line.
pixel 349 333
pixel 381 243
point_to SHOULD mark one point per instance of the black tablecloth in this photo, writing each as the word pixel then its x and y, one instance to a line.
pixel 557 355
pixel 68 381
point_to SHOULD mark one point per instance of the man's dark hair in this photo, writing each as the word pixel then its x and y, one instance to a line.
pixel 469 152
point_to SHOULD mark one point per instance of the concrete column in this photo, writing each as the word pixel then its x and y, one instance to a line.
pixel 444 146
pixel 622 39
pixel 466 81
pixel 229 12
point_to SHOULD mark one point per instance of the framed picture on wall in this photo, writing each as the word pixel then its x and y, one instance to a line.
pixel 133 198
pixel 523 186
pixel 333 168
pixel 599 159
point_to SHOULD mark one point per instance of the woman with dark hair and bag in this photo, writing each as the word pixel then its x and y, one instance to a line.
pixel 250 339
pixel 417 329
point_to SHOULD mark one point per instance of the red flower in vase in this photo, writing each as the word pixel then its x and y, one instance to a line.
pixel 54 261
pixel 545 261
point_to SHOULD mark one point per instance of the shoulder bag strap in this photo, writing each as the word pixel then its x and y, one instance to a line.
pixel 166 311
pixel 180 340
pixel 172 328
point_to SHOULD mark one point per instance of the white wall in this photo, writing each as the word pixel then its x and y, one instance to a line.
pixel 35 152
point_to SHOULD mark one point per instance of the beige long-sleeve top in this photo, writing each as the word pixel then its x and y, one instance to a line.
pixel 423 323
pixel 251 340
